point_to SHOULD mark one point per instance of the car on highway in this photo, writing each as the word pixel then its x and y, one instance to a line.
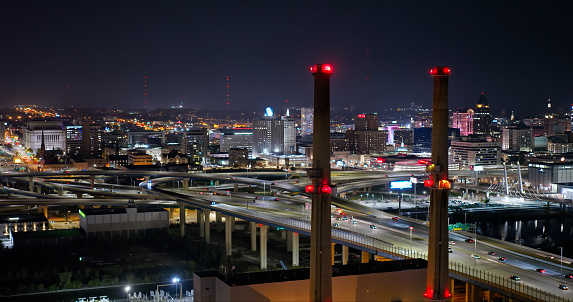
pixel 276 199
pixel 213 203
pixel 470 240
pixel 372 226
pixel 514 277
pixel 475 256
pixel 502 258
pixel 395 218
pixel 338 218
pixel 568 276
pixel 451 242
pixel 354 221
pixel 563 287
pixel 540 270
pixel 491 253
pixel 335 225
pixel 450 250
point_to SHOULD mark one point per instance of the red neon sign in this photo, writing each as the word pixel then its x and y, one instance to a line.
pixel 362 116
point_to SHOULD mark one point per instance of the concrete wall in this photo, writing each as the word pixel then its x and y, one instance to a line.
pixel 408 285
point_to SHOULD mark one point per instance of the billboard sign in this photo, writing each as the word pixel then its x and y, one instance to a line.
pixel 400 184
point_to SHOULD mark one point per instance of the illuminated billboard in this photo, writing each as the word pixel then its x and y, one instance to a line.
pixel 400 184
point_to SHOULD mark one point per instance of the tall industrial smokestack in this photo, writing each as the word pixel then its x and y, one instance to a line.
pixel 320 252
pixel 438 288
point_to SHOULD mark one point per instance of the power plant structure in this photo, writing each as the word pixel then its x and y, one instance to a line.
pixel 320 238
pixel 438 282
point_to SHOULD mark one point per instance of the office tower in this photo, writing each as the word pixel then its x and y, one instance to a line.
pixel 274 134
pixel 482 117
pixel 366 138
pixel 194 144
pixel 84 140
pixel 517 138
pixel 307 117
pixel 239 138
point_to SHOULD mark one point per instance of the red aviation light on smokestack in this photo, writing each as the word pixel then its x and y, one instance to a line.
pixel 322 68
pixel 309 189
pixel 326 189
pixel 428 183
pixel 441 71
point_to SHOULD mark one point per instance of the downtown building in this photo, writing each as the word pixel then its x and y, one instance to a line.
pixel 236 138
pixel 464 120
pixel 52 133
pixel 517 138
pixel 84 140
pixel 475 153
pixel 274 135
pixel 482 118
pixel 194 145
pixel 366 138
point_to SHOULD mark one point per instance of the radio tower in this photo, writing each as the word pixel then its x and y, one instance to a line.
pixel 227 99
pixel 146 91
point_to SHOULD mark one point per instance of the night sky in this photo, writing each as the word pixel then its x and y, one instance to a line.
pixel 97 53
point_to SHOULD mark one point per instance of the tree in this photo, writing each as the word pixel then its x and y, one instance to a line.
pixel 65 279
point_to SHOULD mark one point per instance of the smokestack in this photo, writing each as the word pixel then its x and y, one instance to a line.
pixel 437 288
pixel 320 246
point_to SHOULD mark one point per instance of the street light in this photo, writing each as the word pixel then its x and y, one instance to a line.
pixel 176 282
pixel 127 289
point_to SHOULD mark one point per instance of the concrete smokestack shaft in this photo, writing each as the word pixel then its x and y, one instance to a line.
pixel 437 279
pixel 320 251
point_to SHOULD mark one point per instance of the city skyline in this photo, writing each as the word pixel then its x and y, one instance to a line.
pixel 93 54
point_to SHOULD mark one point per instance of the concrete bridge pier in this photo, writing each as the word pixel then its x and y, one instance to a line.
pixel 200 223
pixel 219 221
pixel 332 245
pixel 283 234
pixel 263 243
pixel 253 227
pixel 295 249
pixel 233 223
pixel 60 192
pixel 31 184
pixel 79 194
pixel 344 255
pixel 235 187
pixel 185 184
pixel 207 214
pixel 365 257
pixel 92 181
pixel 289 241
pixel 228 236
pixel 181 218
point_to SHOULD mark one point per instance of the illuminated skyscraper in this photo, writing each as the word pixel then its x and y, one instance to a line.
pixel 307 117
pixel 482 117
pixel 464 120
pixel 274 134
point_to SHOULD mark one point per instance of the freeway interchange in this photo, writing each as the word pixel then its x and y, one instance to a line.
pixel 283 199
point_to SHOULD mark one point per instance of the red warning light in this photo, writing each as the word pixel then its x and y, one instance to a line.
pixel 326 68
pixel 446 70
pixel 309 189
pixel 423 162
pixel 326 189
pixel 445 184
pixel 362 116
pixel 311 68
pixel 380 160
pixel 428 183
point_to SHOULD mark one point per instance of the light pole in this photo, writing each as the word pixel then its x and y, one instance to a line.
pixel 176 282
pixel 561 248
pixel 411 228
pixel 127 289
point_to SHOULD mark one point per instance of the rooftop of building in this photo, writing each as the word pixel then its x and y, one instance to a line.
pixel 119 210
pixel 234 279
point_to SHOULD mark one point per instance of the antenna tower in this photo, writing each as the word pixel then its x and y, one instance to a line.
pixel 146 91
pixel 227 98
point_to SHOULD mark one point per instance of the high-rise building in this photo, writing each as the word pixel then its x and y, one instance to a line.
pixel 482 117
pixel 307 119
pixel 241 138
pixel 464 120
pixel 403 135
pixel 194 144
pixel 274 135
pixel 517 138
pixel 366 138
pixel 84 139
pixel 366 122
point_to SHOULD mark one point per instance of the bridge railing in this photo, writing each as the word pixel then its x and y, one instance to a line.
pixel 504 283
